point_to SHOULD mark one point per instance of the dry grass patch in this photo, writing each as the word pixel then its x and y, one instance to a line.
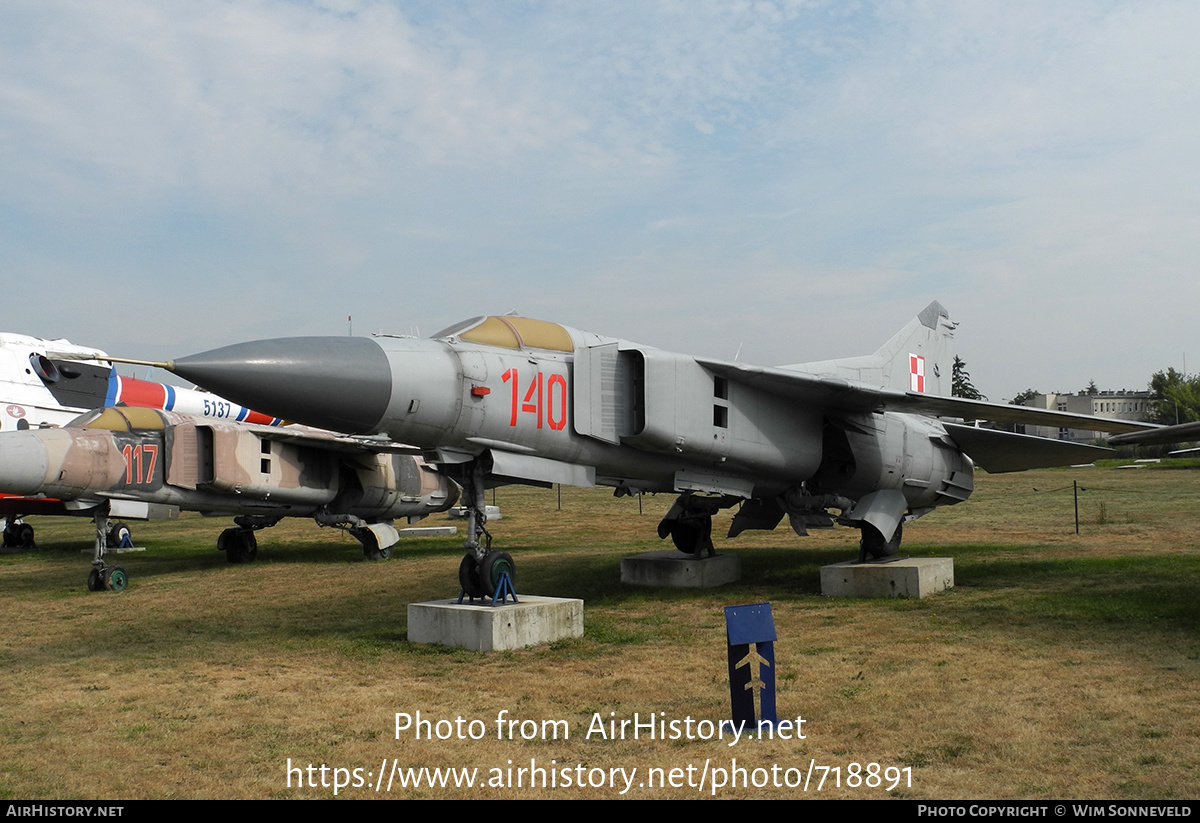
pixel 1062 665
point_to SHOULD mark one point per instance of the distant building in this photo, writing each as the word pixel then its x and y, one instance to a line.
pixel 1117 405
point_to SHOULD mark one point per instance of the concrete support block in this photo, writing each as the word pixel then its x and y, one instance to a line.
pixel 676 570
pixel 429 531
pixel 530 622
pixel 910 577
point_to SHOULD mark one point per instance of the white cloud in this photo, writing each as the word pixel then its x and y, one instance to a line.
pixel 803 171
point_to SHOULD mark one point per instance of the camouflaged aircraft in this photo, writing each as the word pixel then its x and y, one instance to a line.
pixel 123 458
pixel 867 442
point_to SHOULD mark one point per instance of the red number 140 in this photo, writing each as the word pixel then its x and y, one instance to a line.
pixel 546 399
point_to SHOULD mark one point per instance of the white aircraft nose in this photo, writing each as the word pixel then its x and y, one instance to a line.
pixel 23 463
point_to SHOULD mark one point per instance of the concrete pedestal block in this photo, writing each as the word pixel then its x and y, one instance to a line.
pixel 910 577
pixel 533 621
pixel 429 531
pixel 676 570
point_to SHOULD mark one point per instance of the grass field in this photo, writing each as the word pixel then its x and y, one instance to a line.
pixel 1060 666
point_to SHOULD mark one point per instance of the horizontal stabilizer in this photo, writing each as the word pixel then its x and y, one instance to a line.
pixel 998 451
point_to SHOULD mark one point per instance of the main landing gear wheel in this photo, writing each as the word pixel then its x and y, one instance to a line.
pixel 468 577
pixel 873 544
pixel 95 581
pixel 370 544
pixel 239 545
pixel 493 566
pixel 693 537
pixel 689 522
pixel 18 536
pixel 378 554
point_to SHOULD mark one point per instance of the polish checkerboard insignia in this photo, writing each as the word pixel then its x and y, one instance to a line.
pixel 916 373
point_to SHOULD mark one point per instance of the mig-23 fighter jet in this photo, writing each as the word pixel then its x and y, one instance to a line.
pixel 866 442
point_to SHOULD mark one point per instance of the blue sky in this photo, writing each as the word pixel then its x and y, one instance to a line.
pixel 796 179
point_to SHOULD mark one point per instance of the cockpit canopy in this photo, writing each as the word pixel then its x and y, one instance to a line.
pixel 121 419
pixel 510 332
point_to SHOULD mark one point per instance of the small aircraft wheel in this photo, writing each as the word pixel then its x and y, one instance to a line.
pixel 95 581
pixel 115 579
pixel 370 544
pixel 495 564
pixel 225 543
pixel 18 536
pixel 239 546
pixel 117 534
pixel 873 543
pixel 468 577
pixel 692 536
pixel 686 538
pixel 247 544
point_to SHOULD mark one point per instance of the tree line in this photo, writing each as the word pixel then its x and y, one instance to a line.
pixel 1175 395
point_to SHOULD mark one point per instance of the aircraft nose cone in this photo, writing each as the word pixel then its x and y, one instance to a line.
pixel 23 462
pixel 339 383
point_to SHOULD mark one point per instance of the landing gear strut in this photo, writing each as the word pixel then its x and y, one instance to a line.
pixel 481 571
pixel 103 576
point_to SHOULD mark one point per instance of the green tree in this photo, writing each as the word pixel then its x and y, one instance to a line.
pixel 1023 397
pixel 1091 390
pixel 1176 397
pixel 961 385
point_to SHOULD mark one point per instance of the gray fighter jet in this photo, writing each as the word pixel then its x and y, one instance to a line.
pixel 127 461
pixel 866 442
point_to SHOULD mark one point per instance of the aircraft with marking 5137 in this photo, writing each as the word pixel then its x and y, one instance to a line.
pixel 45 384
pixel 866 442
pixel 142 457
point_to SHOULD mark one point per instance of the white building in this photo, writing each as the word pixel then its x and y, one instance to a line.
pixel 1118 405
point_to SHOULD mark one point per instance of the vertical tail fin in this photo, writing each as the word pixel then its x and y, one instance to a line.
pixel 917 359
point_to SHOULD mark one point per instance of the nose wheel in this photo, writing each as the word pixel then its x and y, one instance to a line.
pixel 108 578
pixel 491 578
pixel 102 576
pixel 469 579
pixel 482 572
